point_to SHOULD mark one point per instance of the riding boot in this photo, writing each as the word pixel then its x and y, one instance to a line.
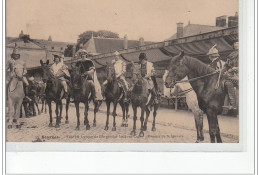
pixel 93 91
pixel 231 94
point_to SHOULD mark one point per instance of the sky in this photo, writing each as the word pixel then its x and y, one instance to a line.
pixel 154 20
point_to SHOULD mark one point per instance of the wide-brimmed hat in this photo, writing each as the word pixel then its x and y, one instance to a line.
pixel 15 52
pixel 142 56
pixel 213 51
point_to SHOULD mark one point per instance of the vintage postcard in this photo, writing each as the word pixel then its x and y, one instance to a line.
pixel 122 71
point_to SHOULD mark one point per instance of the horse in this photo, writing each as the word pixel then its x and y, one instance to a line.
pixel 82 92
pixel 15 95
pixel 192 103
pixel 40 93
pixel 206 82
pixel 114 94
pixel 139 98
pixel 53 92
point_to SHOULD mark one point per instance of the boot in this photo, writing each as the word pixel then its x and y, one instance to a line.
pixel 231 94
pixel 94 94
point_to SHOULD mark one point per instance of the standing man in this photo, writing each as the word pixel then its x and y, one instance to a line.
pixel 224 68
pixel 60 71
pixel 148 72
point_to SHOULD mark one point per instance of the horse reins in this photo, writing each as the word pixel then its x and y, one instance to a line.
pixel 17 81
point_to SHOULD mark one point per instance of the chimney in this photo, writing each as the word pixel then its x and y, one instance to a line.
pixel 141 41
pixel 233 20
pixel 221 21
pixel 125 43
pixel 179 30
pixel 73 51
pixel 50 39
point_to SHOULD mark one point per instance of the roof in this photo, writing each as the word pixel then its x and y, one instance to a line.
pixel 195 29
pixel 106 45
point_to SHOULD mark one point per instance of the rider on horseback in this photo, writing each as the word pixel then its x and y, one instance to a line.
pixel 148 72
pixel 120 69
pixel 229 69
pixel 60 71
pixel 17 63
pixel 90 73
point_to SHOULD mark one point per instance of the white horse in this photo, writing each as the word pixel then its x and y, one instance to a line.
pixel 191 100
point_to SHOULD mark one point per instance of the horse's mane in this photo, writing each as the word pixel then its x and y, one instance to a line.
pixel 200 67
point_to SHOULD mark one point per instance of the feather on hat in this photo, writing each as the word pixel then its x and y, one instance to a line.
pixel 213 51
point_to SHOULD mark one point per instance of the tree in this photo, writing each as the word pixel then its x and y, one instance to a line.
pixel 68 52
pixel 85 36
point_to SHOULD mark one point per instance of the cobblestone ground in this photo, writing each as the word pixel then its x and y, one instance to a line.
pixel 171 127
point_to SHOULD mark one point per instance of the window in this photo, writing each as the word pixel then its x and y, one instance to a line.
pixel 61 48
pixel 52 47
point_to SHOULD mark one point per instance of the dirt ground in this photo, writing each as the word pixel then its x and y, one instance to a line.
pixel 171 127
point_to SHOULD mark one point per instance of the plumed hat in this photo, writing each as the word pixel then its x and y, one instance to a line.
pixel 213 51
pixel 15 51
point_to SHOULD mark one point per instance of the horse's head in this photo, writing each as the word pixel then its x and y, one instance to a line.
pixel 110 71
pixel 76 73
pixel 46 70
pixel 177 70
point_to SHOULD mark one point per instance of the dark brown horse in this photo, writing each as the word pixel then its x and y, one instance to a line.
pixel 114 94
pixel 204 81
pixel 40 93
pixel 53 92
pixel 83 90
pixel 139 98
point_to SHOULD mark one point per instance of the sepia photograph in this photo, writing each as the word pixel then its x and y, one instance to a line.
pixel 122 71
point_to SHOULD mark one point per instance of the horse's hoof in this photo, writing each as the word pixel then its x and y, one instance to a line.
pixel 77 128
pixel 18 126
pixel 106 128
pixel 67 122
pixel 201 138
pixel 57 126
pixel 50 125
pixel 197 141
pixel 141 134
pixel 94 124
pixel 14 120
pixel 122 125
pixel 153 129
pixel 87 127
pixel 9 126
pixel 22 123
pixel 114 129
pixel 133 133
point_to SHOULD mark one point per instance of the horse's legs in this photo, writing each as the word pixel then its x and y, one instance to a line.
pixel 42 105
pixel 33 108
pixel 37 107
pixel 50 112
pixel 108 113
pixel 57 115
pixel 124 116
pixel 26 110
pixel 213 125
pixel 96 105
pixel 61 107
pixel 44 101
pixel 154 115
pixel 146 118
pixel 21 111
pixel 78 114
pixel 67 108
pixel 199 125
pixel 219 140
pixel 114 117
pixel 141 134
pixel 133 132
pixel 86 115
pixel 127 115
